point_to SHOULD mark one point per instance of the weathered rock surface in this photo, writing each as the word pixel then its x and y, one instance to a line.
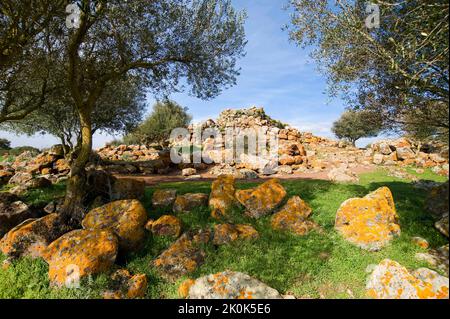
pixel 262 200
pixel 188 202
pixel 370 222
pixel 390 280
pixel 293 217
pixel 222 198
pixel 127 286
pixel 125 218
pixel 437 258
pixel 229 285
pixel 437 201
pixel 127 188
pixel 184 255
pixel 342 175
pixel 166 225
pixel 13 212
pixel 163 198
pixel 80 253
pixel 226 233
pixel 30 238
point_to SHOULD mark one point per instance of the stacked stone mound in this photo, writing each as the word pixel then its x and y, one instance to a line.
pixel 405 152
pixel 28 171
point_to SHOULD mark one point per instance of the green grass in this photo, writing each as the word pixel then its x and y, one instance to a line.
pixel 313 266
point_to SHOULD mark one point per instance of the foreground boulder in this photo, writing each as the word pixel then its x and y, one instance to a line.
pixel 128 188
pixel 30 238
pixel 370 222
pixel 293 217
pixel 262 200
pixel 222 197
pixel 228 285
pixel 390 280
pixel 12 212
pixel 226 233
pixel 126 218
pixel 166 225
pixel 80 253
pixel 127 286
pixel 188 202
pixel 183 256
pixel 163 198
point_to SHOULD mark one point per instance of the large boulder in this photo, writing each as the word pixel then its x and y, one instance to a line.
pixel 229 285
pixel 80 253
pixel 370 222
pixel 166 225
pixel 184 255
pixel 262 200
pixel 437 201
pixel 128 188
pixel 293 217
pixel 125 218
pixel 31 237
pixel 163 198
pixel 222 197
pixel 188 202
pixel 390 280
pixel 13 212
pixel 405 153
pixel 20 178
pixel 226 233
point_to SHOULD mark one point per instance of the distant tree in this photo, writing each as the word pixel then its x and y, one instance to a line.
pixel 166 116
pixel 398 67
pixel 5 144
pixel 353 125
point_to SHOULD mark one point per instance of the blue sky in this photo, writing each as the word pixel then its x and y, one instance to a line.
pixel 275 74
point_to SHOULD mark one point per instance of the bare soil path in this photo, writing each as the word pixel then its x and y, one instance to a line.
pixel 152 180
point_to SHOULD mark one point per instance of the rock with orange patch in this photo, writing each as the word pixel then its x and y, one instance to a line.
pixel 166 225
pixel 390 280
pixel 231 285
pixel 262 200
pixel 294 217
pixel 126 218
pixel 127 286
pixel 222 199
pixel 62 166
pixel 183 290
pixel 370 222
pixel 30 238
pixel 163 198
pixel 188 202
pixel 80 253
pixel 184 255
pixel 226 233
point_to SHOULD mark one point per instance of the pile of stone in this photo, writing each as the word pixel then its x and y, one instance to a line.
pixel 406 152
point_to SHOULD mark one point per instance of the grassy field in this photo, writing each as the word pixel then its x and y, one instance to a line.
pixel 314 266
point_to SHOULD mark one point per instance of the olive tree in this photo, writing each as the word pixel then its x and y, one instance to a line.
pixel 353 125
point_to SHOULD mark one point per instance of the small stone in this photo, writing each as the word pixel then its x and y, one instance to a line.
pixel 188 202
pixel 163 198
pixel 166 225
pixel 421 242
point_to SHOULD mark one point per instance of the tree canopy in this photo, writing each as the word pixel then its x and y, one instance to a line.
pixel 166 116
pixel 397 68
pixel 353 125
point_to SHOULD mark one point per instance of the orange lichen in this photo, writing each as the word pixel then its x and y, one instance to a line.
pixel 222 197
pixel 226 233
pixel 263 199
pixel 369 222
pixel 126 218
pixel 188 202
pixel 166 225
pixel 183 290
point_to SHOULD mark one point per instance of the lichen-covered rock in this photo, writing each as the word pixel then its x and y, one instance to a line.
pixel 127 188
pixel 166 225
pixel 437 258
pixel 126 218
pixel 38 182
pixel 188 202
pixel 437 201
pixel 163 198
pixel 370 222
pixel 184 255
pixel 188 172
pixel 20 178
pixel 390 280
pixel 62 166
pixel 80 253
pixel 442 225
pixel 230 285
pixel 226 233
pixel 30 238
pixel 222 199
pixel 421 242
pixel 12 213
pixel 294 217
pixel 127 286
pixel 262 200
pixel 342 175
